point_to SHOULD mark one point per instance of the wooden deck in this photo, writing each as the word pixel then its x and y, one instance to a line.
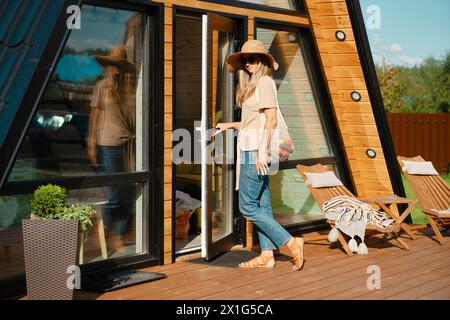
pixel 421 273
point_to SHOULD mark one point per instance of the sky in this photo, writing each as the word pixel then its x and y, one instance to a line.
pixel 101 28
pixel 403 32
pixel 407 31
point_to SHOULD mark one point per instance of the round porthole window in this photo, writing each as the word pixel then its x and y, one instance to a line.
pixel 356 96
pixel 292 37
pixel 340 35
pixel 371 153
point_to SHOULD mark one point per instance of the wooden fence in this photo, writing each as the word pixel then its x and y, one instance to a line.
pixel 424 134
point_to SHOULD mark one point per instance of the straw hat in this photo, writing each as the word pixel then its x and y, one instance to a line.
pixel 250 47
pixel 117 57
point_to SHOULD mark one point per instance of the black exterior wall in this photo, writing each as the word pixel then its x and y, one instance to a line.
pixel 29 99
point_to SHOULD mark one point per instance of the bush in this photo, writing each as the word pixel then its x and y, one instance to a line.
pixel 48 201
pixel 81 213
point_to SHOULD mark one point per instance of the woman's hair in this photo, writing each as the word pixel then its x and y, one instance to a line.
pixel 247 82
pixel 122 85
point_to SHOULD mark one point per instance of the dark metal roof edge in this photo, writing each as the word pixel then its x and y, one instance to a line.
pixel 33 94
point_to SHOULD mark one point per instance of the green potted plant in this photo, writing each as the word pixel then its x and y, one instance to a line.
pixel 52 238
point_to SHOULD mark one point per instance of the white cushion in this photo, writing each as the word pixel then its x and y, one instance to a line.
pixel 420 168
pixel 446 211
pixel 323 179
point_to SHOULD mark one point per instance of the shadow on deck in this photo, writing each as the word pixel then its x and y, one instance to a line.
pixel 420 273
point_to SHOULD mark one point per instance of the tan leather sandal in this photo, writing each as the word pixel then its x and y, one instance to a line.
pixel 258 262
pixel 297 254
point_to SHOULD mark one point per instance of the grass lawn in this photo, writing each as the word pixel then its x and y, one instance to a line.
pixel 417 215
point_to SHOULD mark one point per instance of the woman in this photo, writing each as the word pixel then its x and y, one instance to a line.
pixel 111 137
pixel 254 66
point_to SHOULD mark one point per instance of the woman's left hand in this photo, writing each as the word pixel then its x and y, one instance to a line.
pixel 262 165
pixel 92 156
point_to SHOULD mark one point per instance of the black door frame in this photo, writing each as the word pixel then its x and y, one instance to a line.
pixel 214 249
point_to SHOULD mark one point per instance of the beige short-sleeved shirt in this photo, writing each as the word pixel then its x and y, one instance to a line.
pixel 250 116
pixel 116 121
pixel 249 137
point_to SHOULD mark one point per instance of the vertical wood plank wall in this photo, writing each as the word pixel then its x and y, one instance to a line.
pixel 168 112
pixel 342 72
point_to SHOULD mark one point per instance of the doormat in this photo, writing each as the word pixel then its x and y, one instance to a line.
pixel 113 280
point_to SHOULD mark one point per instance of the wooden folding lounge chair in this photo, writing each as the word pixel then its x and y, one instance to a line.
pixel 433 194
pixel 322 195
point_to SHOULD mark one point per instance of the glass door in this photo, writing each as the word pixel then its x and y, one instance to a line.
pixel 218 216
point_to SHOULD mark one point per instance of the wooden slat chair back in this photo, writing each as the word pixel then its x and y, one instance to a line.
pixel 321 195
pixel 433 193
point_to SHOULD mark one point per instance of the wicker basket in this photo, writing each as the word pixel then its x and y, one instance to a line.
pixel 50 247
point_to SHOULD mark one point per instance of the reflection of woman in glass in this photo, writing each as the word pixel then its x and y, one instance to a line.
pixel 111 138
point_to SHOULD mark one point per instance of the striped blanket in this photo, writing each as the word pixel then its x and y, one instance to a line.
pixel 351 216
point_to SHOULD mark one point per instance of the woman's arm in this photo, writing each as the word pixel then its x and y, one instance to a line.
pixel 92 136
pixel 94 118
pixel 228 125
pixel 262 166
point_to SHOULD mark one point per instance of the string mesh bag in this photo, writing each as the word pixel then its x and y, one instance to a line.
pixel 281 146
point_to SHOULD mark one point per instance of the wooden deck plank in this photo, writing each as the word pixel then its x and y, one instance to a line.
pixel 320 262
pixel 421 273
pixel 437 294
pixel 392 274
pixel 246 278
pixel 315 270
pixel 233 259
pixel 354 275
pixel 432 280
pixel 174 270
pixel 236 277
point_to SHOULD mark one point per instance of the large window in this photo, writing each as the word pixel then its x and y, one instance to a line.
pixel 303 112
pixel 90 127
pixel 92 106
pixel 295 94
pixel 282 6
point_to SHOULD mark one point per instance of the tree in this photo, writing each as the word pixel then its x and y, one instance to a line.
pixel 423 89
pixel 392 90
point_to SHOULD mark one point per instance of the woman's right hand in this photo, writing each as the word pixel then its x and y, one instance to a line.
pixel 262 162
pixel 222 127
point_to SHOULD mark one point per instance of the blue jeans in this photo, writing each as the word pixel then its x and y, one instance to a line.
pixel 117 211
pixel 254 203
